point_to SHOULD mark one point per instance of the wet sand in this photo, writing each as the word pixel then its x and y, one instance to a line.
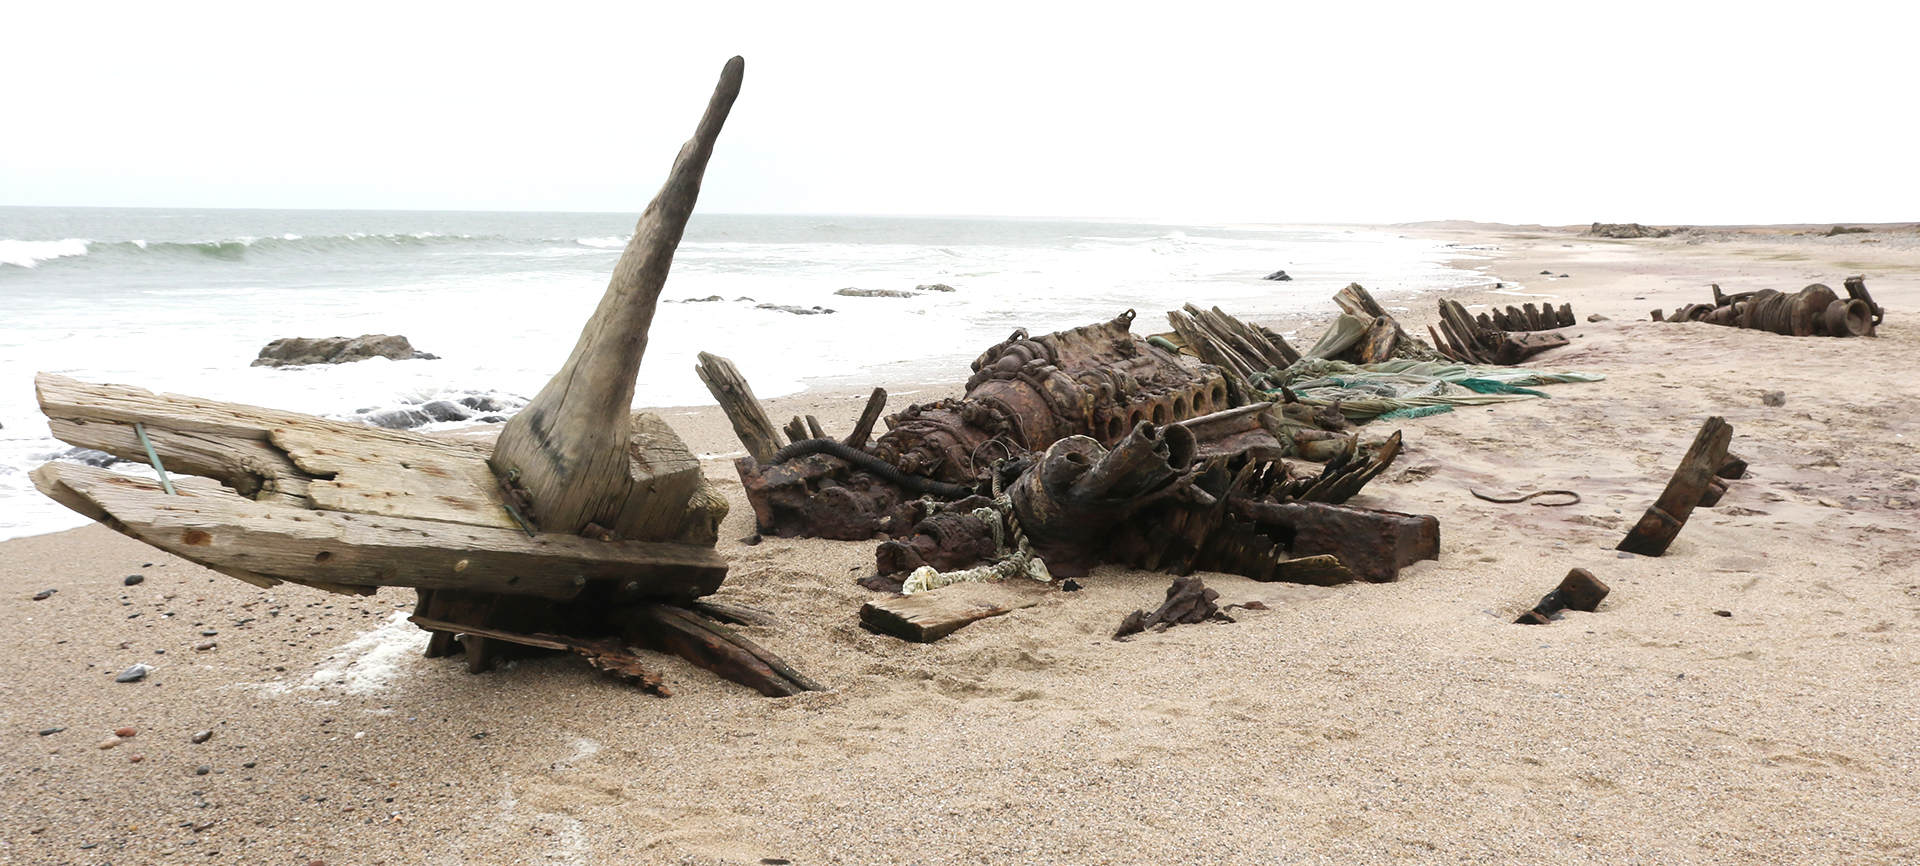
pixel 1357 724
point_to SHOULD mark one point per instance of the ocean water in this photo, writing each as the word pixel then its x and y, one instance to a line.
pixel 183 300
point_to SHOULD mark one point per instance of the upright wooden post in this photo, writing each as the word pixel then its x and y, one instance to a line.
pixel 736 398
pixel 571 448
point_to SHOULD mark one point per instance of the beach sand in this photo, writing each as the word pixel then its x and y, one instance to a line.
pixel 1409 721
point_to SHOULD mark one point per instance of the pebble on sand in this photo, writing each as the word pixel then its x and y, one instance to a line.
pixel 134 579
pixel 133 674
pixel 203 736
pixel 44 594
pixel 135 759
pixel 1773 398
pixel 205 645
pixel 48 732
pixel 126 732
pixel 203 769
pixel 110 742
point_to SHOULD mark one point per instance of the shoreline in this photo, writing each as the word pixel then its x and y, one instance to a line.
pixel 1364 724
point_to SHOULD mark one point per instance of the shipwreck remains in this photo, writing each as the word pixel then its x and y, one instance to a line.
pixel 586 528
pixel 1087 446
pixel 1814 311
pixel 1695 483
pixel 1579 590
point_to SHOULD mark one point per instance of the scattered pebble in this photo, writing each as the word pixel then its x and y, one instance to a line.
pixel 202 828
pixel 1625 555
pixel 208 633
pixel 249 765
pixel 134 579
pixel 1547 273
pixel 125 732
pixel 1563 276
pixel 203 736
pixel 44 594
pixel 135 759
pixel 1069 585
pixel 133 674
pixel 203 769
pixel 48 732
pixel 110 742
pixel 204 645
pixel 1773 398
pixel 1723 613
pixel 1596 317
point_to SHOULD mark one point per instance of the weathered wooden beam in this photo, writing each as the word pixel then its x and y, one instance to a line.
pixel 605 655
pixel 668 629
pixel 735 397
pixel 925 617
pixel 1663 520
pixel 253 540
pixel 1374 545
pixel 1579 590
pixel 571 447
pixel 863 429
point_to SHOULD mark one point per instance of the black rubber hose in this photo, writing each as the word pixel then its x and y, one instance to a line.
pixel 870 463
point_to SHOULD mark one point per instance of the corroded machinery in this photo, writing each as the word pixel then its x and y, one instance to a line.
pixel 1026 393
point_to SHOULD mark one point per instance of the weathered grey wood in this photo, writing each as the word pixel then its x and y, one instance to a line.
pixel 814 429
pixel 259 540
pixel 796 430
pixel 876 404
pixel 665 628
pixel 735 396
pixel 925 617
pixel 570 447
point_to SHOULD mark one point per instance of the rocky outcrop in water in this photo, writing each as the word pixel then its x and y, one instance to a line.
pixel 302 351
pixel 1278 276
pixel 798 311
pixel 873 293
pixel 1626 230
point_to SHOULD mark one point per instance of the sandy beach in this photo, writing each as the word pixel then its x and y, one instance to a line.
pixel 1750 697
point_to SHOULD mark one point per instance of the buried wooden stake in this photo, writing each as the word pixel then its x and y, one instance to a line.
pixel 1690 483
pixel 1579 590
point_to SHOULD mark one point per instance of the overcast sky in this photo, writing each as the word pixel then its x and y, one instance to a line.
pixel 1670 112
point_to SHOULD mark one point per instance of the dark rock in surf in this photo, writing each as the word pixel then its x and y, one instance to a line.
pixel 798 311
pixel 303 351
pixel 933 287
pixel 87 456
pixel 485 403
pixel 1278 276
pixel 446 410
pixel 873 293
pixel 397 419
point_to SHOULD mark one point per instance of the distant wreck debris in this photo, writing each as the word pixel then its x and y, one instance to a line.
pixel 303 351
pixel 1626 230
pixel 1527 318
pixel 1814 311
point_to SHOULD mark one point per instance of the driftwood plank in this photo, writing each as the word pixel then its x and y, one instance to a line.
pixel 426 480
pixel 925 617
pixel 238 536
pixel 571 446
